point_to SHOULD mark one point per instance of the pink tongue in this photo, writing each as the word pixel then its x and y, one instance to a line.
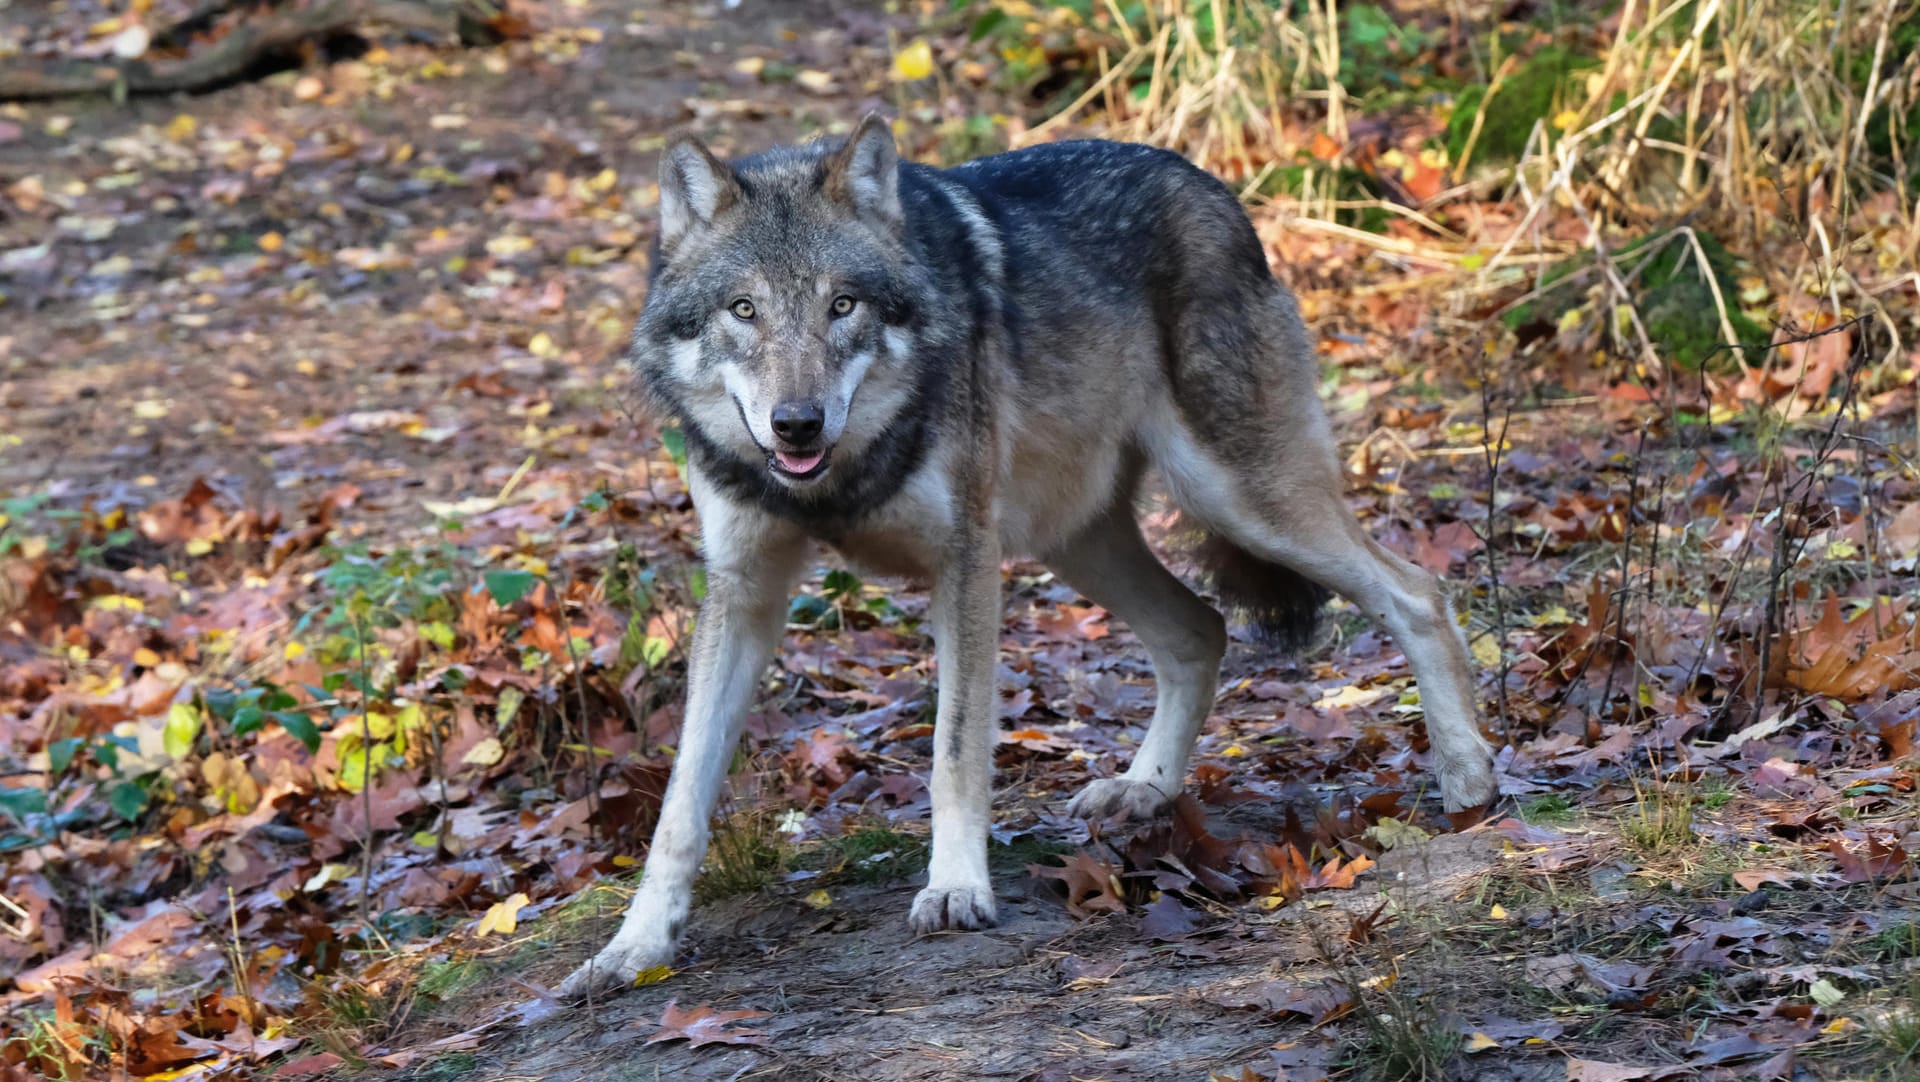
pixel 799 463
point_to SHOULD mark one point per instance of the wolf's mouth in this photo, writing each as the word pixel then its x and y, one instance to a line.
pixel 800 465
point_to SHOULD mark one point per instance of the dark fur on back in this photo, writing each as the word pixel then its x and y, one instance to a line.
pixel 1283 607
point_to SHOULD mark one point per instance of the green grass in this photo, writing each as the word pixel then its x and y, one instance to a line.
pixel 1716 793
pixel 745 857
pixel 1551 809
pixel 448 1067
pixel 1660 823
pixel 1395 1033
pixel 873 854
pixel 1897 1030
pixel 1025 849
pixel 443 980
pixel 1894 943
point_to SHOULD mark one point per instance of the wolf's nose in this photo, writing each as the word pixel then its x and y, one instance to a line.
pixel 798 423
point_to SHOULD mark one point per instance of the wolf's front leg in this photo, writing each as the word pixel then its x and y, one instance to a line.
pixel 735 636
pixel 966 621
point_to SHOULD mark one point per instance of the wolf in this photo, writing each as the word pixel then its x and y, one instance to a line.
pixel 932 370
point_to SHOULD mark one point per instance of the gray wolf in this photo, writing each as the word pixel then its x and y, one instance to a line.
pixel 931 370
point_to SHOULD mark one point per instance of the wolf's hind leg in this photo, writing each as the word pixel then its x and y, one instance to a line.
pixel 1110 564
pixel 1288 510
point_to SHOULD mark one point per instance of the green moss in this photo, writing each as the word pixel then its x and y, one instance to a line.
pixel 1524 98
pixel 871 854
pixel 1676 301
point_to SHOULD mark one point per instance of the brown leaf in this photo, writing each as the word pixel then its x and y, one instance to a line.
pixel 1168 920
pixel 1337 875
pixel 1093 885
pixel 1875 861
pixel 704 1025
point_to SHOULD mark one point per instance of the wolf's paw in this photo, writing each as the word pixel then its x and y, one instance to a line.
pixel 1109 796
pixel 1467 783
pixel 955 909
pixel 615 967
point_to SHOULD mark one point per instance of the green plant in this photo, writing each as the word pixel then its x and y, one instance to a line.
pixel 875 854
pixel 447 978
pixel 1551 808
pixel 746 854
pixel 1895 1027
pixel 1401 1036
pixel 1894 943
pixel 1660 822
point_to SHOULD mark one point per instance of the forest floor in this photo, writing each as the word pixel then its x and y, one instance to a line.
pixel 343 596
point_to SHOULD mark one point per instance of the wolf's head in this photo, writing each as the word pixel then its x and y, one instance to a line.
pixel 777 323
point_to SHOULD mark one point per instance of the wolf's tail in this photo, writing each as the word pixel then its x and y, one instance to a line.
pixel 1283 606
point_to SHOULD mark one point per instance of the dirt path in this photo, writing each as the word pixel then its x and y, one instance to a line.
pixel 280 295
pixel 847 993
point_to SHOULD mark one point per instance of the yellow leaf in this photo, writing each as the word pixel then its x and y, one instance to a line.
pixel 1480 1042
pixel 509 244
pixel 145 658
pixel 502 917
pixel 621 860
pixel 819 82
pixel 1486 652
pixel 408 719
pixel 181 127
pixel 271 241
pixel 328 873
pixel 652 975
pixel 199 546
pixel 603 181
pixel 1567 119
pixel 819 899
pixel 913 62
pixel 1234 751
pixel 1498 912
pixel 1349 697
pixel 1840 1025
pixel 150 409
pixel 750 65
pixel 485 753
pixel 293 650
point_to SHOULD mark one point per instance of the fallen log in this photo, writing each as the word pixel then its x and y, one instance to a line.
pixel 254 36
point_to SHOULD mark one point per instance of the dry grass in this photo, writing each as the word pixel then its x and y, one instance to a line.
pixel 1739 117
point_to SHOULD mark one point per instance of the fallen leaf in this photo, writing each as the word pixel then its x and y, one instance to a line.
pixel 704 1025
pixel 503 916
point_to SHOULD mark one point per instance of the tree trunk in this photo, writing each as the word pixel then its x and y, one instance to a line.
pixel 256 35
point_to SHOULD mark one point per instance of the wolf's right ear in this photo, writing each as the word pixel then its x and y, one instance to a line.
pixel 694 186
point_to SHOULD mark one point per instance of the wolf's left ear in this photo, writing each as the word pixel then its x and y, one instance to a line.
pixel 865 174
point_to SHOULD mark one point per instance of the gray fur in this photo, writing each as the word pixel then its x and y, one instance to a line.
pixel 996 355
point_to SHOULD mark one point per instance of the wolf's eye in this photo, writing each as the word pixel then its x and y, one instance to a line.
pixel 842 305
pixel 743 308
